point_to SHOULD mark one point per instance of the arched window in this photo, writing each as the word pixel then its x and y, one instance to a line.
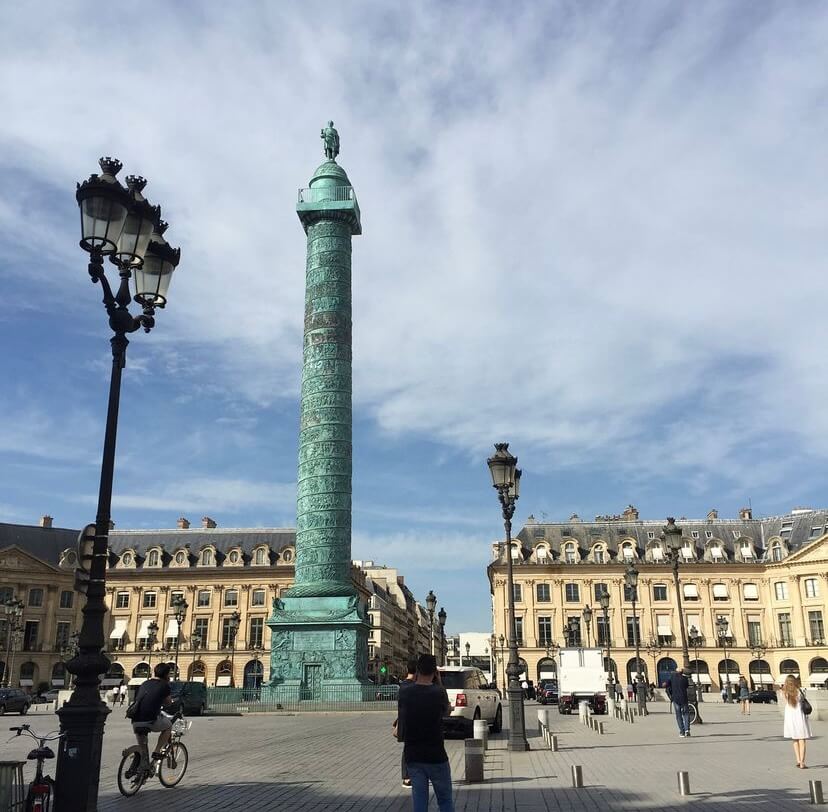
pixel 599 554
pixel 58 675
pixel 224 674
pixel 260 556
pixel 153 558
pixel 627 551
pixel 141 671
pixel 687 549
pixel 665 668
pixel 788 667
pixel 570 555
pixel 198 672
pixel 776 552
pixel 180 557
pixel 657 552
pixel 207 558
pixel 287 556
pixel 716 552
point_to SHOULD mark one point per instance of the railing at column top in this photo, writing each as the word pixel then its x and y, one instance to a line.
pixel 326 194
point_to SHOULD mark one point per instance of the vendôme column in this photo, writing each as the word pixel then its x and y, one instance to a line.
pixel 319 641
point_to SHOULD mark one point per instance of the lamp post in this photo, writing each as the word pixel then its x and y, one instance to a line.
pixel 631 582
pixel 195 645
pixel 119 223
pixel 604 600
pixel 492 657
pixel 441 617
pixel 587 615
pixel 180 607
pixel 758 651
pixel 654 650
pixel 468 649
pixel 695 642
pixel 572 632
pixel 431 605
pixel 502 641
pixel 13 610
pixel 724 641
pixel 506 481
pixel 235 620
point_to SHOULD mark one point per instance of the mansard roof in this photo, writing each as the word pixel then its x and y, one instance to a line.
pixel 45 543
pixel 222 539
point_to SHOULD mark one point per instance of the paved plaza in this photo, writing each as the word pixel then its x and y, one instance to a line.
pixel 343 762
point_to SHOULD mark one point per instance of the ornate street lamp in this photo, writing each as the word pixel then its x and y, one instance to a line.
pixel 506 481
pixel 119 223
pixel 758 651
pixel 672 534
pixel 604 601
pixel 180 607
pixel 441 617
pixel 696 640
pixel 587 615
pixel 724 641
pixel 572 632
pixel 631 582
pixel 152 639
pixel 654 650
pixel 431 605
pixel 13 609
pixel 235 620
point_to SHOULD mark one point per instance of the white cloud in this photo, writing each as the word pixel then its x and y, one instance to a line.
pixel 597 233
pixel 409 551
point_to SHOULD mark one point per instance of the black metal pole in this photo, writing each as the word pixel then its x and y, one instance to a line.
pixel 605 611
pixel 635 635
pixel 82 718
pixel 685 651
pixel 517 723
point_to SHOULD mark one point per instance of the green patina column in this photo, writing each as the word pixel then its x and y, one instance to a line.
pixel 319 631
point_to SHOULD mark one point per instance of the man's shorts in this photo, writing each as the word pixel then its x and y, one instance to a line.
pixel 162 723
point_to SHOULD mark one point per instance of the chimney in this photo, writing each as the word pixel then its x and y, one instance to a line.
pixel 714 514
pixel 631 513
pixel 45 521
pixel 745 514
pixel 184 524
pixel 207 523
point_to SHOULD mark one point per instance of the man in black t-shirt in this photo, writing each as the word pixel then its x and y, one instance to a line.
pixel 410 678
pixel 152 696
pixel 421 709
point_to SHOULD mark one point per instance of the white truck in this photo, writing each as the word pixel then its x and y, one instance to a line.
pixel 581 677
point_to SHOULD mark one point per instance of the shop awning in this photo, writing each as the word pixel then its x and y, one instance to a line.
pixel 111 682
pixel 172 628
pixel 223 681
pixel 143 629
pixel 817 678
pixel 663 627
pixel 26 683
pixel 198 679
pixel 763 679
pixel 119 630
pixel 703 679
pixel 137 681
pixel 734 679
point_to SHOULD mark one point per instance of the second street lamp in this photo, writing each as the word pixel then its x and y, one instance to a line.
pixel 180 607
pixel 604 601
pixel 441 617
pixel 724 641
pixel 696 641
pixel 631 582
pixel 587 615
pixel 506 481
pixel 431 605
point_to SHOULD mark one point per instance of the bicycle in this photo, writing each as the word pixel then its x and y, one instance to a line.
pixel 41 789
pixel 136 767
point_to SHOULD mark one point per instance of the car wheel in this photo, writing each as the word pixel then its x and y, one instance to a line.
pixel 498 720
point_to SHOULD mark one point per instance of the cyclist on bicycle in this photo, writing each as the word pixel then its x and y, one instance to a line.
pixel 152 696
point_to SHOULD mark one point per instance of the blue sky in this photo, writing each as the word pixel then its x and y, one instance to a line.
pixel 594 230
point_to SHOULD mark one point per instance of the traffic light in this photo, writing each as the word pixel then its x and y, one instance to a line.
pixel 383 669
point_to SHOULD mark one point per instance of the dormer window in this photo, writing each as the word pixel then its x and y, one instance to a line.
pixel 153 558
pixel 708 534
pixel 126 559
pixel 180 557
pixel 515 552
pixel 746 550
pixel 569 553
pixel 687 549
pixel 542 553
pixel 287 556
pixel 694 533
pixel 716 552
pixel 233 558
pixel 651 534
pixel 261 556
pixel 657 553
pixel 599 555
pixel 207 558
pixel 776 552
pixel 627 551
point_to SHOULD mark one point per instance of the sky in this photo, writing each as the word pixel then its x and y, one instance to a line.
pixel 594 230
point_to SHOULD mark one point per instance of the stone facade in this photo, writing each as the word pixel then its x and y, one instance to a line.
pixel 767 577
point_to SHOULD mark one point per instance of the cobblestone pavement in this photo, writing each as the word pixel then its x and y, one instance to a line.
pixel 343 762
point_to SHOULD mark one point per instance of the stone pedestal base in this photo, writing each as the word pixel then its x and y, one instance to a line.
pixel 319 650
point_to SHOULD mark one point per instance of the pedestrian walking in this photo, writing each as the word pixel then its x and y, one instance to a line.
pixel 677 690
pixel 641 691
pixel 796 725
pixel 410 677
pixel 724 692
pixel 619 691
pixel 421 708
pixel 122 692
pixel 744 695
pixel 630 694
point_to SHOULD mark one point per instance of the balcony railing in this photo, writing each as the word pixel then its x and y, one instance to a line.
pixel 326 194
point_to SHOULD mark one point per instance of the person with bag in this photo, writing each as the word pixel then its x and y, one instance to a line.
pixel 744 696
pixel 399 734
pixel 796 727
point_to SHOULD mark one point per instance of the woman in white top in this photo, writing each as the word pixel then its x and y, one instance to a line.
pixel 796 725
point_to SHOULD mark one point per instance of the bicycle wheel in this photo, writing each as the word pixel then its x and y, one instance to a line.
pixel 692 714
pixel 128 786
pixel 174 764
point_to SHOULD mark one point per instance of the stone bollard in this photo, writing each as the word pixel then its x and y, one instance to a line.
pixel 543 718
pixel 815 792
pixel 481 732
pixel 583 710
pixel 610 706
pixel 577 776
pixel 474 761
pixel 683 782
pixel 600 728
pixel 553 743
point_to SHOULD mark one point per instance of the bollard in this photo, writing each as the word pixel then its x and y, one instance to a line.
pixel 577 776
pixel 543 718
pixel 553 743
pixel 600 728
pixel 815 790
pixel 583 710
pixel 683 782
pixel 474 761
pixel 481 732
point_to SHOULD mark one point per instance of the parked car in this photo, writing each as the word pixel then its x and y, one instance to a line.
pixel 13 700
pixel 471 697
pixel 763 696
pixel 45 697
pixel 548 692
pixel 191 695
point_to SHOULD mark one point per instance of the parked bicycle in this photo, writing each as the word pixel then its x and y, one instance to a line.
pixel 41 789
pixel 137 767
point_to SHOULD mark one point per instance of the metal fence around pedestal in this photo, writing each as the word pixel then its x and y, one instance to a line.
pixel 300 699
